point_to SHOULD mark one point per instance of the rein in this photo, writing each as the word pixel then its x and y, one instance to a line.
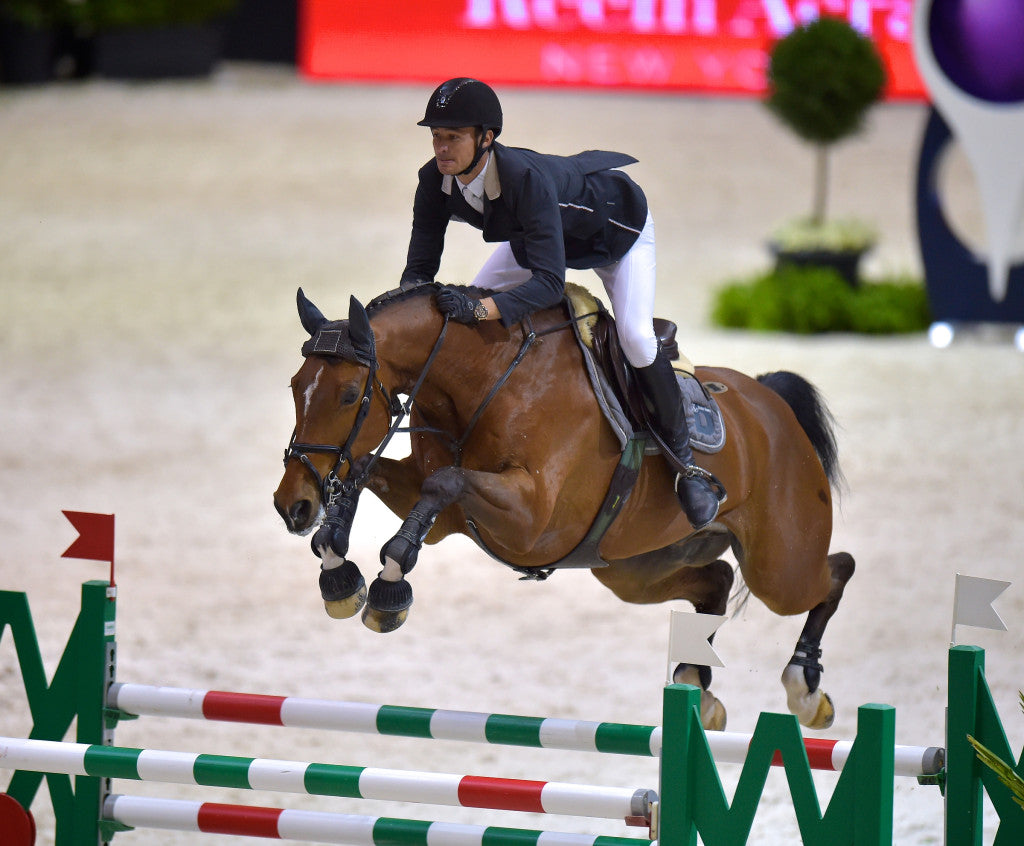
pixel 398 412
pixel 457 446
pixel 528 339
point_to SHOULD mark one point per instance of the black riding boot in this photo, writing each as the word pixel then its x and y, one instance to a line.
pixel 695 487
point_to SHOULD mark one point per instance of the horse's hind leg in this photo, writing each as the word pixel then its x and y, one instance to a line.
pixel 712 599
pixel 802 676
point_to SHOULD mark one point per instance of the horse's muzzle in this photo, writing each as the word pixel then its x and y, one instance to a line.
pixel 300 517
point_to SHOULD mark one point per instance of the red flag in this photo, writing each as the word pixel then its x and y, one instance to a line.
pixel 95 539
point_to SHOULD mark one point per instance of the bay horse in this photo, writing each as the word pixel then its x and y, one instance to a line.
pixel 509 446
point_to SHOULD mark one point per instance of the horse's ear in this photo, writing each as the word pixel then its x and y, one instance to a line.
pixel 311 317
pixel 359 331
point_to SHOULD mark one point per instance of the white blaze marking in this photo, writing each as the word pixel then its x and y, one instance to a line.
pixel 312 387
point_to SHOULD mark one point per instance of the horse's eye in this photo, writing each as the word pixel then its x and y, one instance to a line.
pixel 350 395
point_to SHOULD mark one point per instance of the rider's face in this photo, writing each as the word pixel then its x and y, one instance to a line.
pixel 454 148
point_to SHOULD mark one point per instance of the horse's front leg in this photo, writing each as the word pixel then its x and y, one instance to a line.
pixel 341 584
pixel 507 499
pixel 390 595
pixel 397 483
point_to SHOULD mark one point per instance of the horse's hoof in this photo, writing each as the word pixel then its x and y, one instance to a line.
pixel 383 621
pixel 712 711
pixel 825 715
pixel 813 708
pixel 343 590
pixel 342 609
pixel 713 718
pixel 387 605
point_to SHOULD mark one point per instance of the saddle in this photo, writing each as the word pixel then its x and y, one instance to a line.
pixel 615 382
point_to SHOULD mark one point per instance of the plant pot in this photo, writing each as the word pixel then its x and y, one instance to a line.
pixel 26 53
pixel 187 50
pixel 844 262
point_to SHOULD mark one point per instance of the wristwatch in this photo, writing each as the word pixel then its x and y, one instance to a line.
pixel 480 310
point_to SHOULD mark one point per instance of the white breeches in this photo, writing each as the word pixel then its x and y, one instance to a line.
pixel 628 282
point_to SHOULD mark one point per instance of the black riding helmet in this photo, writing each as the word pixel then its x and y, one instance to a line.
pixel 464 102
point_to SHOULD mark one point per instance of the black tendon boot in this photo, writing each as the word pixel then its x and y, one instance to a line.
pixel 699 492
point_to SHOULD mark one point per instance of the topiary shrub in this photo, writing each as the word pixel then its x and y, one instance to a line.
pixel 813 300
pixel 822 78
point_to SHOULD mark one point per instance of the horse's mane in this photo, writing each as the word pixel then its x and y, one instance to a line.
pixel 420 289
pixel 400 295
pixel 333 338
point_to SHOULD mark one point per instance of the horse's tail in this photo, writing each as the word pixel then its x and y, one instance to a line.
pixel 813 416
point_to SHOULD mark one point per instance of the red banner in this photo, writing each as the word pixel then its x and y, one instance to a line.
pixel 95 540
pixel 677 45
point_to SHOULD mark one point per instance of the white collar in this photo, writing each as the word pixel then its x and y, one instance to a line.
pixel 476 186
pixel 492 187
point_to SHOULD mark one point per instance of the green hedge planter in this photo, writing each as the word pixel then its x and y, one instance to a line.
pixel 811 300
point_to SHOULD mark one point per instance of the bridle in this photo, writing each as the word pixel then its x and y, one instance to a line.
pixel 331 484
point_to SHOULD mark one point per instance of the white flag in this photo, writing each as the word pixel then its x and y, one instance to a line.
pixel 688 638
pixel 972 602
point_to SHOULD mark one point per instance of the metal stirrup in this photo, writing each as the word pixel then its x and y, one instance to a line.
pixel 693 471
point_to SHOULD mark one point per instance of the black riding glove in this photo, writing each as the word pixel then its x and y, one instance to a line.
pixel 459 306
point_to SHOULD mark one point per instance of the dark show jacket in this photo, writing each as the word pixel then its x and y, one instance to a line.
pixel 555 212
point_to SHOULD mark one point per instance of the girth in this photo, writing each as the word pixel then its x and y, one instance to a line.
pixel 586 555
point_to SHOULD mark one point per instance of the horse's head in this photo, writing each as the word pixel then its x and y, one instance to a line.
pixel 342 411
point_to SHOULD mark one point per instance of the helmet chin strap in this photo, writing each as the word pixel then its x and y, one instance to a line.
pixel 480 150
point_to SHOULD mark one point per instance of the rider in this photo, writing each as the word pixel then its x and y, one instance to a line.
pixel 548 213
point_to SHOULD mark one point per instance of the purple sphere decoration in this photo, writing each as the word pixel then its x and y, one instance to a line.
pixel 979 44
